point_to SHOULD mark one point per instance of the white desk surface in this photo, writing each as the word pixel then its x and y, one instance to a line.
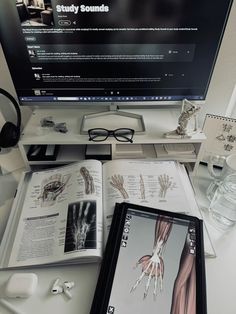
pixel 220 271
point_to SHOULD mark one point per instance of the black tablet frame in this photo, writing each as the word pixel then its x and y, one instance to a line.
pixel 109 263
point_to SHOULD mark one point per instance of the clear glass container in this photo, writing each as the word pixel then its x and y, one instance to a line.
pixel 223 204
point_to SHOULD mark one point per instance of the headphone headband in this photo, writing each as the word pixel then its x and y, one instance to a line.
pixel 14 102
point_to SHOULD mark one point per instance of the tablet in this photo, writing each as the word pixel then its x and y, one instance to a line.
pixel 153 263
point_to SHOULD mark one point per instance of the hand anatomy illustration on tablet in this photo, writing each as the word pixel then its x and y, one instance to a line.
pixel 153 265
pixel 153 268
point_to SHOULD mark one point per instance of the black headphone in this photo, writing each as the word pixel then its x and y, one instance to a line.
pixel 10 133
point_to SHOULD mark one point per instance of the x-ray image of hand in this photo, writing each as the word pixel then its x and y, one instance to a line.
pixel 81 226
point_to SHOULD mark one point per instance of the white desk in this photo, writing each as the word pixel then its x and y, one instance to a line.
pixel 220 271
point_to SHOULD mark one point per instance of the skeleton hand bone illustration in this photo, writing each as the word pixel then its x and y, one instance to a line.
pixel 117 181
pixel 153 265
pixel 165 184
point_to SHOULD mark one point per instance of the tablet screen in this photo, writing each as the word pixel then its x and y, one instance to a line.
pixel 156 266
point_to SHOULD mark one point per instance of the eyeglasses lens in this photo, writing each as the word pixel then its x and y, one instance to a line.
pixel 123 135
pixel 98 134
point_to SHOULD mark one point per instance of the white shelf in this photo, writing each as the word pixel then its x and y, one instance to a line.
pixel 72 144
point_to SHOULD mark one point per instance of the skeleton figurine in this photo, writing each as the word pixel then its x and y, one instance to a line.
pixel 189 110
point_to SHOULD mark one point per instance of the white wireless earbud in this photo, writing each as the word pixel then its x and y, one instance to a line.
pixel 67 293
pixel 67 286
pixel 64 288
pixel 56 288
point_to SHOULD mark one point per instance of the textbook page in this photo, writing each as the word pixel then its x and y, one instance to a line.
pixel 61 219
pixel 150 183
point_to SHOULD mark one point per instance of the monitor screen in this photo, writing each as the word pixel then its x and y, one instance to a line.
pixel 111 51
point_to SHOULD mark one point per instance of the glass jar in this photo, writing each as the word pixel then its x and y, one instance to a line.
pixel 223 204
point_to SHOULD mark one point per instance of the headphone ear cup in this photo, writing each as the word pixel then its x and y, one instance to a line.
pixel 9 135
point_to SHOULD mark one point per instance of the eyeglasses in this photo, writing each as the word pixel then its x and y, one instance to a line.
pixel 121 135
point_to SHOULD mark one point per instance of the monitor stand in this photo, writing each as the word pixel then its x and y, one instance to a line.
pixel 113 119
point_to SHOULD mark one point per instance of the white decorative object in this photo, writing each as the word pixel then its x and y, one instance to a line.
pixel 221 138
pixel 189 111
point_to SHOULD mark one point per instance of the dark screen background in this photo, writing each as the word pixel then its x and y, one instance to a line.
pixel 144 28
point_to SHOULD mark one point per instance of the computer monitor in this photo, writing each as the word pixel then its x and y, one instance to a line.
pixel 73 52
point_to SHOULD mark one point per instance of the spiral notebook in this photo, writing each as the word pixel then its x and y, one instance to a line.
pixel 220 132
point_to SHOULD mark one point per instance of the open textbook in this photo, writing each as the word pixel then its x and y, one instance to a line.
pixel 63 214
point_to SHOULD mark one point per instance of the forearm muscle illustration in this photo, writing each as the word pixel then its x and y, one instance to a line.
pixel 142 187
pixel 88 180
pixel 117 181
pixel 184 293
pixel 51 188
pixel 153 265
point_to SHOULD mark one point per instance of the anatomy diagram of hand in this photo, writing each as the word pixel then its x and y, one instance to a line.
pixel 88 180
pixel 152 266
pixel 52 187
pixel 117 181
pixel 165 184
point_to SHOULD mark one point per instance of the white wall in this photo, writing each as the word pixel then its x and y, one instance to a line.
pixel 6 83
pixel 221 86
pixel 224 76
